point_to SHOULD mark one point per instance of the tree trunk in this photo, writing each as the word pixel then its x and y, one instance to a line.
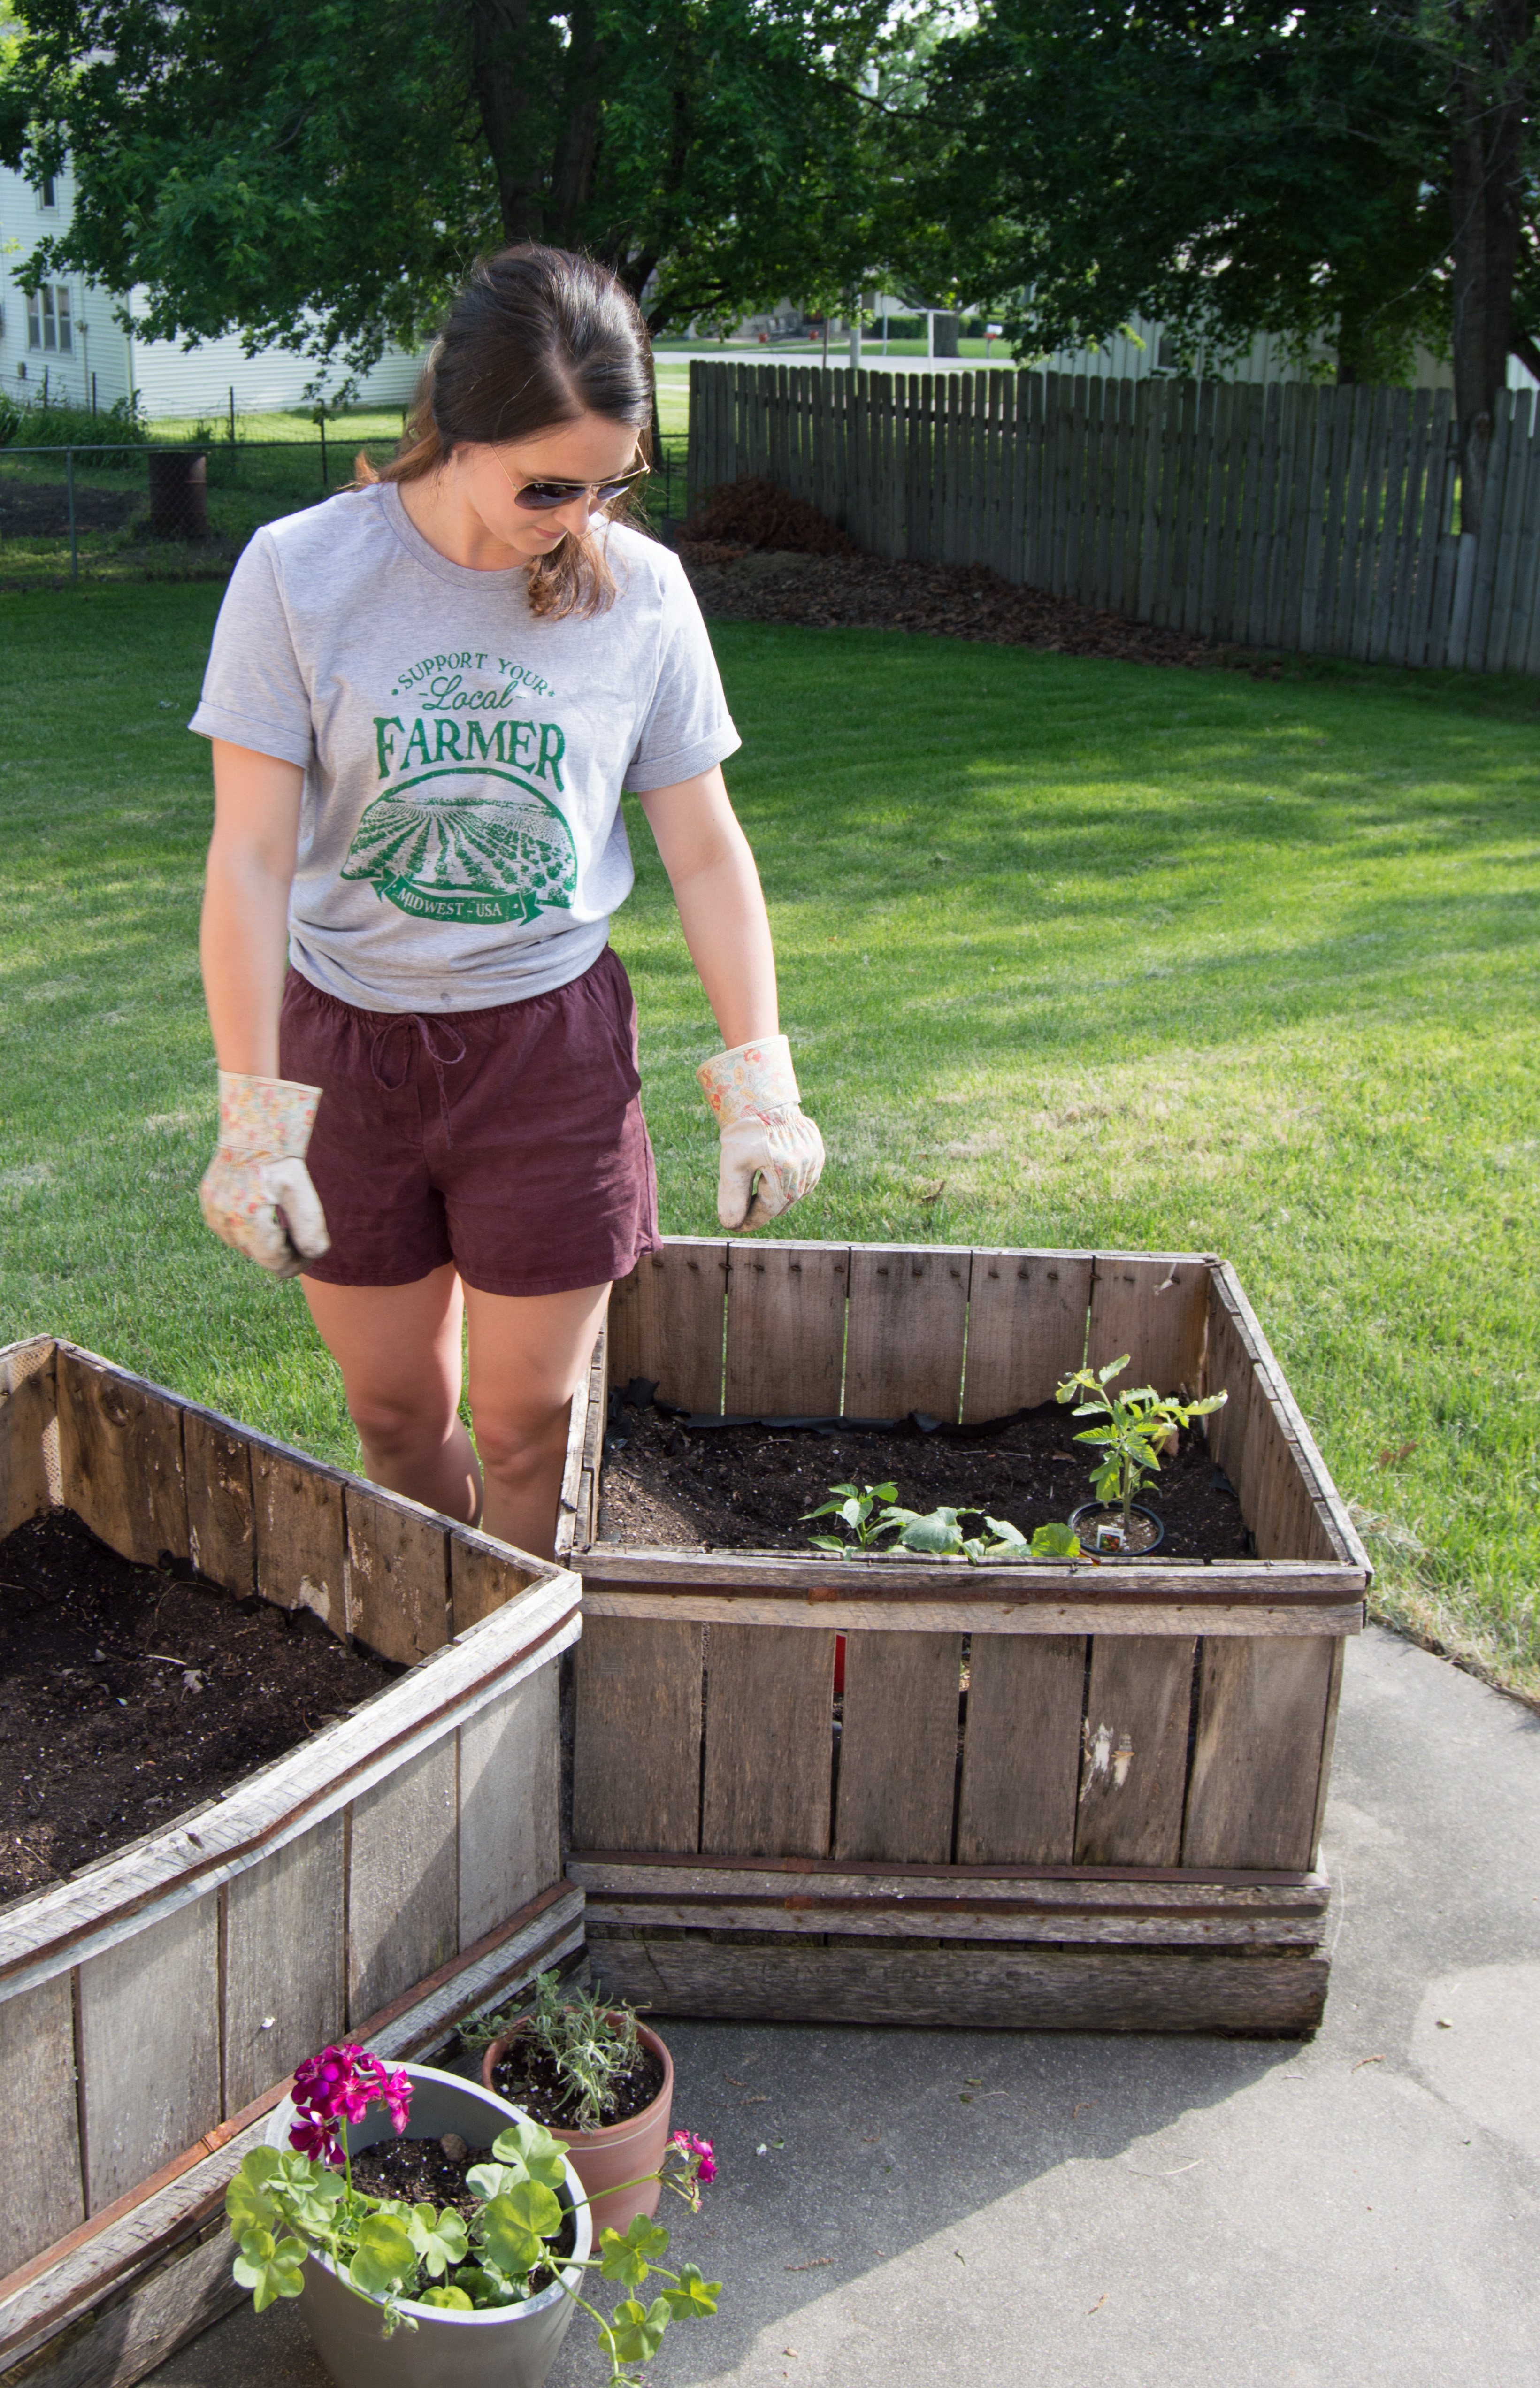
pixel 506 95
pixel 577 140
pixel 1487 107
pixel 945 344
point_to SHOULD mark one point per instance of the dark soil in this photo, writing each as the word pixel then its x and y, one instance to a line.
pixel 126 1695
pixel 40 509
pixel 745 1488
pixel 433 2172
pixel 528 2076
pixel 754 512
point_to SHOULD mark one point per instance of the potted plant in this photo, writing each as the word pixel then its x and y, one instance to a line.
pixel 473 2285
pixel 600 2083
pixel 1134 1426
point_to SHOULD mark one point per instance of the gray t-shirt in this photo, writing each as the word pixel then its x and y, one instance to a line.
pixel 460 841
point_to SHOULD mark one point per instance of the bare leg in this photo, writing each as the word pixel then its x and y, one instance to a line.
pixel 529 1355
pixel 397 1347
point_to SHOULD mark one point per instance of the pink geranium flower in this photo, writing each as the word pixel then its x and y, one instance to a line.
pixel 339 2086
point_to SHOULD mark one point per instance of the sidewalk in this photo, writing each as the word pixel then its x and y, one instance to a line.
pixel 1003 2210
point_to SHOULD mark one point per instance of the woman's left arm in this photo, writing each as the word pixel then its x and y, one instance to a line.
pixel 722 908
pixel 771 1154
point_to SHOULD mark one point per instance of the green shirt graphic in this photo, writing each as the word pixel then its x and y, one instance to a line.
pixel 444 846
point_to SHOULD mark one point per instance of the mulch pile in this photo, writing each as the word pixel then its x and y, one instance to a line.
pixel 754 512
pixel 755 555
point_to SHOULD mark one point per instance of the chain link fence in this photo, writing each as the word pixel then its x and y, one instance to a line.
pixel 149 511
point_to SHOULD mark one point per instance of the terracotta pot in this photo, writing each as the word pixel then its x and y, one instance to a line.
pixel 616 2152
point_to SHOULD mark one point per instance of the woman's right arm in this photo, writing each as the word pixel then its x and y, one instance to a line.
pixel 244 939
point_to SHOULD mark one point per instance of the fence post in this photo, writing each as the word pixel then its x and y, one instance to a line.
pixel 69 491
pixel 323 481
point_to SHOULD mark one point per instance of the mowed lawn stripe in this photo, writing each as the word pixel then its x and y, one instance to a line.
pixel 1073 952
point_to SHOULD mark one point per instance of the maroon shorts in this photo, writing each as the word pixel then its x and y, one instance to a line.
pixel 510 1141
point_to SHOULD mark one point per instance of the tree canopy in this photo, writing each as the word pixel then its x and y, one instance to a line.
pixel 1359 173
pixel 322 173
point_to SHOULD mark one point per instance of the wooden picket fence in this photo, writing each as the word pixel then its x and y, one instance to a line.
pixel 1324 521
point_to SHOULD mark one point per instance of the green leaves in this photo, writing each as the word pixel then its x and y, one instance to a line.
pixel 939 1535
pixel 1134 1426
pixel 454 2300
pixel 1055 1542
pixel 269 2267
pixel 531 2154
pixel 636 2332
pixel 439 2239
pixel 515 2226
pixel 692 2294
pixel 853 1504
pixel 628 2259
pixel 386 2263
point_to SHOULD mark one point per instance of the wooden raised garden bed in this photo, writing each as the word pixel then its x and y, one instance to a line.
pixel 155 1998
pixel 1063 1794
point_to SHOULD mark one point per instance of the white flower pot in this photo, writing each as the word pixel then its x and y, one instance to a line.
pixel 512 2347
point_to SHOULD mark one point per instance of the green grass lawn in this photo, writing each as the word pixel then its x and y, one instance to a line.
pixel 1073 953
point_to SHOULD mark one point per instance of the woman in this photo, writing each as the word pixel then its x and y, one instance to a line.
pixel 425 697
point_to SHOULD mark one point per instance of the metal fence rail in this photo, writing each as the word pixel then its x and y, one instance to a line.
pixel 1284 516
pixel 273 475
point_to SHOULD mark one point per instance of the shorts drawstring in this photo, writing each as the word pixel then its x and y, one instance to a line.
pixel 425 1029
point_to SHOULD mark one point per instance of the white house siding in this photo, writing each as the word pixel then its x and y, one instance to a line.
pixel 170 379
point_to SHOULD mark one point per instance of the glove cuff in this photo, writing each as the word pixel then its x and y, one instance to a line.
pixel 270 1116
pixel 751 1080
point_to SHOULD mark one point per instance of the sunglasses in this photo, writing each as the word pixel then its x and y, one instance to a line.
pixel 542 497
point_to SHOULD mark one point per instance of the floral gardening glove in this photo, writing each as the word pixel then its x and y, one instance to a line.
pixel 257 1193
pixel 771 1155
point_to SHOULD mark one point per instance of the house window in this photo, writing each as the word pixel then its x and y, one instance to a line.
pixel 49 320
pixel 46 197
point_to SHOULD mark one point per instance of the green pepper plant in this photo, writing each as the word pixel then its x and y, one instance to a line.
pixel 1134 1425
pixel 285 2205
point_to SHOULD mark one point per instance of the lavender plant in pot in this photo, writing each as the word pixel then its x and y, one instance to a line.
pixel 472 2284
pixel 599 2080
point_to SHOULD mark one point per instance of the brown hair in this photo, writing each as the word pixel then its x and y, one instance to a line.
pixel 537 337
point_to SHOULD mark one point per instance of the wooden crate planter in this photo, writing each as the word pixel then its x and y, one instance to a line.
pixel 1117 1828
pixel 161 1991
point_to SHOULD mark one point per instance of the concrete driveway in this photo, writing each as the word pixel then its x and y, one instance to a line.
pixel 998 2209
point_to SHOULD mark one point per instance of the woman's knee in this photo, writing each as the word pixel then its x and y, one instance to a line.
pixel 394 1424
pixel 513 1444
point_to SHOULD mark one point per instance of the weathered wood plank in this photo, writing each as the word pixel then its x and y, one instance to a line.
pixel 978 1616
pixel 148 2023
pixel 785 1329
pixel 181 2297
pixel 44 2197
pixel 897 1762
pixel 1026 1328
pixel 112 1902
pixel 1133 1773
pixel 908 1324
pixel 667 1321
pixel 396 1576
pixel 484 1575
pixel 28 1429
pixel 637 1755
pixel 221 1535
pixel 403 1832
pixel 285 1972
pixel 1136 1889
pixel 1153 1308
pixel 1021 1752
pixel 767 1774
pixel 1256 1760
pixel 942 1920
pixel 510 1804
pixel 120 1457
pixel 989 1987
pixel 301 1539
